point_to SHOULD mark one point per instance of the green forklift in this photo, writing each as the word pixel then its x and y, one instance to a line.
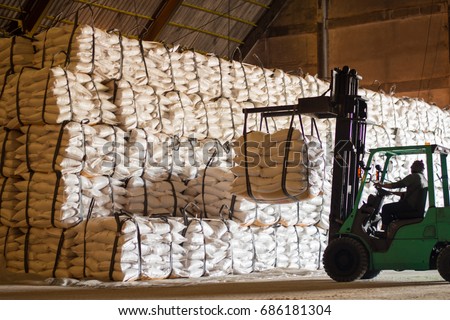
pixel 356 251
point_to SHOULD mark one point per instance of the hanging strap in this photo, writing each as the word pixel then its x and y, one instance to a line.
pixel 26 251
pixel 127 217
pixel 18 115
pixel 3 155
pixel 55 197
pixel 4 183
pixel 27 200
pixel 6 242
pixel 210 160
pixel 88 218
pixel 58 252
pixel 142 51
pixel 11 53
pixel 247 175
pixel 5 81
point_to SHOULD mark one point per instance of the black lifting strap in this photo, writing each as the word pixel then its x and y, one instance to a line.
pixel 58 252
pixel 88 218
pixel 3 155
pixel 120 223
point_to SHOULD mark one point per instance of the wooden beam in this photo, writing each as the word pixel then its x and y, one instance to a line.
pixel 262 24
pixel 35 11
pixel 161 17
pixel 448 29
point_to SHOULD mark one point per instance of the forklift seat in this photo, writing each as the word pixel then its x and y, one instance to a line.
pixel 397 224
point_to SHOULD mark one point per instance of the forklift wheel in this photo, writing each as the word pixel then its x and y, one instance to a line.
pixel 370 274
pixel 443 263
pixel 345 260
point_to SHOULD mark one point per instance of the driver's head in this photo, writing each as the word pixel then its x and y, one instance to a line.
pixel 417 166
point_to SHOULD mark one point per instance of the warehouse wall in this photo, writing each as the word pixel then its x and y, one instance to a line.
pixel 400 44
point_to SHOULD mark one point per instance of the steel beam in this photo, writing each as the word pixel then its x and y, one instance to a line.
pixel 161 17
pixel 263 23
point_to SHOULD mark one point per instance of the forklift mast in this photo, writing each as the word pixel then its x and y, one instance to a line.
pixel 350 112
pixel 349 146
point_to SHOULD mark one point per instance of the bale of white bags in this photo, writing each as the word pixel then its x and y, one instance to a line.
pixel 278 168
pixel 127 248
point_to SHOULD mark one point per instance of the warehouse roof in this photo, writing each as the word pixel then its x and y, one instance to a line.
pixel 210 26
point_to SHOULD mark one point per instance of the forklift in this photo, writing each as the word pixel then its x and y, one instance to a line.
pixel 355 250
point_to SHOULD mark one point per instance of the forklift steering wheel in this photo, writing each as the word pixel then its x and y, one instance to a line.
pixel 383 192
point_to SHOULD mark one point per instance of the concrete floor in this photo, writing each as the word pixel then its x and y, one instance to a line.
pixel 274 284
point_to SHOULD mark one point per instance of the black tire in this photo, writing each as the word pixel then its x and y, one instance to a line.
pixel 370 274
pixel 345 260
pixel 443 263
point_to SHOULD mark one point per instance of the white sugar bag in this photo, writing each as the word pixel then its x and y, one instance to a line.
pixel 265 248
pixel 156 68
pixel 42 251
pixel 156 156
pixel 109 53
pixel 378 136
pixel 222 117
pixel 297 87
pixel 316 86
pixel 137 105
pixel 210 76
pixel 301 213
pixel 183 70
pixel 149 197
pixel 132 60
pixel 188 115
pixel 46 200
pixel 256 82
pixel 287 247
pixel 242 247
pixel 102 195
pixel 101 99
pixel 106 152
pixel 207 248
pixel 218 255
pixel 8 200
pixel 126 248
pixel 9 140
pixel 312 243
pixel 149 154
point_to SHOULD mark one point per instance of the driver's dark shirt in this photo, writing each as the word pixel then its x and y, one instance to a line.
pixel 415 184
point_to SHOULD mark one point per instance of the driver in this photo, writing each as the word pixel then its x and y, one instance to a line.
pixel 412 201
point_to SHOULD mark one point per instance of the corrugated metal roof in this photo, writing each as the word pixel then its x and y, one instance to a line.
pixel 205 25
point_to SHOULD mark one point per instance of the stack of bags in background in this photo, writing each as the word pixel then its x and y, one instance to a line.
pixel 125 248
pixel 15 53
pixel 108 140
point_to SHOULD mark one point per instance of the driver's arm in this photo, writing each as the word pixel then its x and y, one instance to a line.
pixel 398 193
